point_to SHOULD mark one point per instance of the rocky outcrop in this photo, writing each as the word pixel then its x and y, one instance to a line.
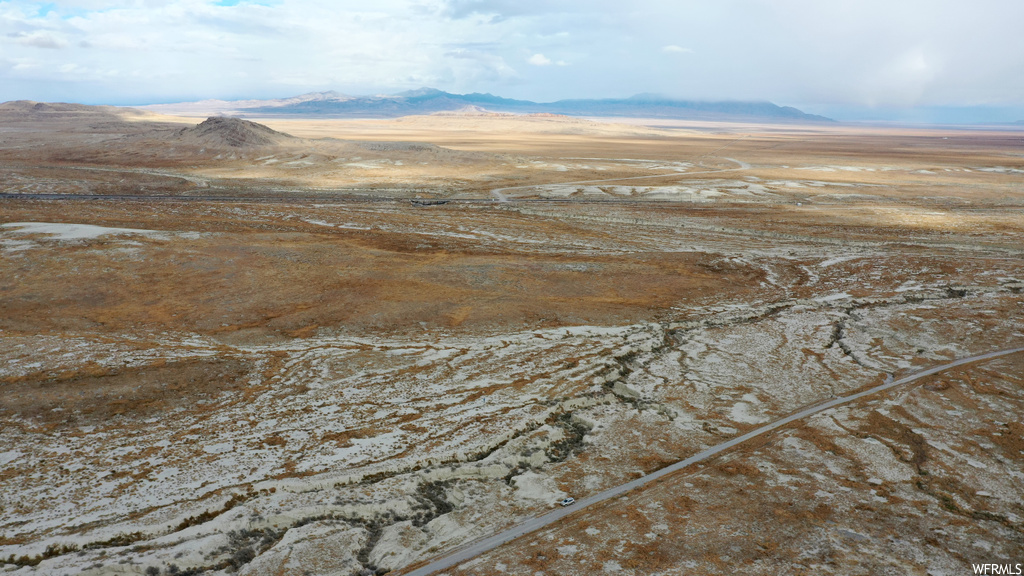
pixel 232 132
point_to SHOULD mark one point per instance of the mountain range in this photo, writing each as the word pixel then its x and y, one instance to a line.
pixel 428 100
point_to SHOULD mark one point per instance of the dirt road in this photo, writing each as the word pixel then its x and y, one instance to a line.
pixel 533 524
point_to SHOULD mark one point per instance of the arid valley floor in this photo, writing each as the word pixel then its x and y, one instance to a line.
pixel 350 346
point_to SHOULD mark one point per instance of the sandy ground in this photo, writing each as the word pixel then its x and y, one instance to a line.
pixel 326 376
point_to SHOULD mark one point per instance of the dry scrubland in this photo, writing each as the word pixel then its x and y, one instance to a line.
pixel 236 349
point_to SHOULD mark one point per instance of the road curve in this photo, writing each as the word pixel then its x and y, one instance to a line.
pixel 478 547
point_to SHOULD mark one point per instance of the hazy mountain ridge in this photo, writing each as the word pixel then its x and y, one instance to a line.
pixel 25 110
pixel 428 101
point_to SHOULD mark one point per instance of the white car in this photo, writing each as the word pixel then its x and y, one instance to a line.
pixel 567 501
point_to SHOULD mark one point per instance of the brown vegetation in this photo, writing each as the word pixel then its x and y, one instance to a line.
pixel 283 314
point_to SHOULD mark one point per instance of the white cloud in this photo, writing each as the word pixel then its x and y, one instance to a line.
pixel 798 52
pixel 542 60
pixel 40 39
pixel 539 60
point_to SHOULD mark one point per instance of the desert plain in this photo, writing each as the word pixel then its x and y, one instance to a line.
pixel 352 346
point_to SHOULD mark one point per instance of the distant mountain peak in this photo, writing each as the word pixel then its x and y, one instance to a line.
pixel 648 96
pixel 326 95
pixel 421 92
pixel 430 100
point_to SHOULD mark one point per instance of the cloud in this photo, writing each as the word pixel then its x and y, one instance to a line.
pixel 39 39
pixel 542 60
pixel 505 9
pixel 539 60
pixel 478 65
pixel 795 52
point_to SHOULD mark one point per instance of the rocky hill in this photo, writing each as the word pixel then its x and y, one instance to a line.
pixel 232 132
pixel 67 116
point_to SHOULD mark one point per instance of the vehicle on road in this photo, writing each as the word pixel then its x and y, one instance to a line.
pixel 567 501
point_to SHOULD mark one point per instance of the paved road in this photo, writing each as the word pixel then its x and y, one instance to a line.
pixel 476 548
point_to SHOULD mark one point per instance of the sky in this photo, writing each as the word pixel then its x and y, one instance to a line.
pixel 915 60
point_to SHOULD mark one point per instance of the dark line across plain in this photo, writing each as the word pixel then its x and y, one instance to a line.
pixel 476 548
